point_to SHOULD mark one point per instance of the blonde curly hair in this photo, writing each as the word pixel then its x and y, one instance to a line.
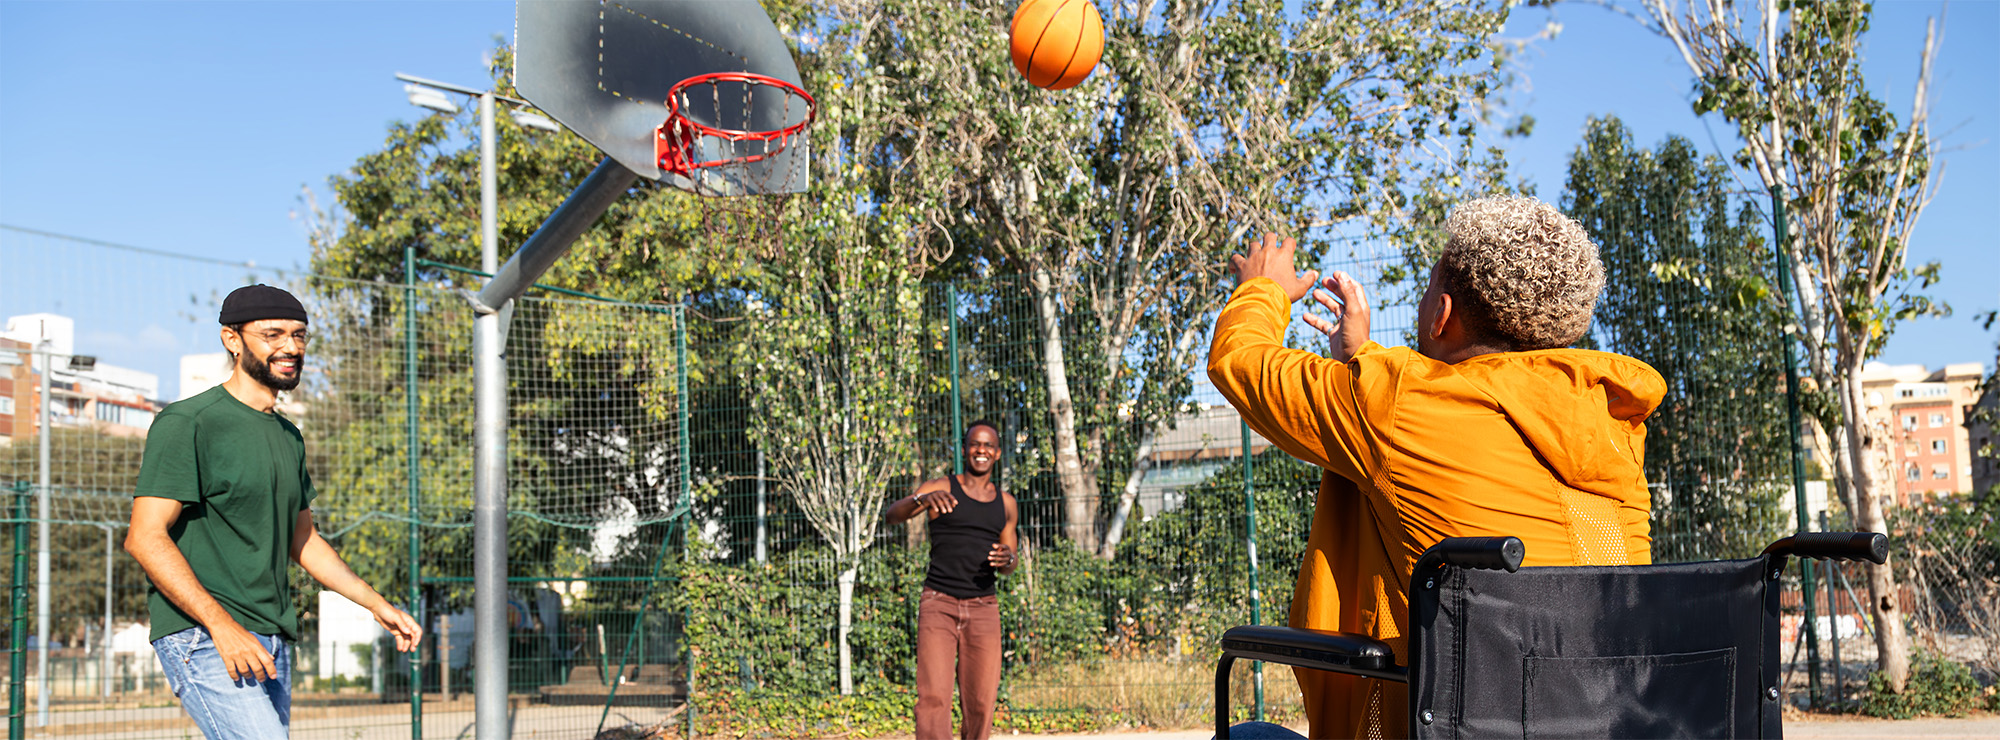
pixel 1525 275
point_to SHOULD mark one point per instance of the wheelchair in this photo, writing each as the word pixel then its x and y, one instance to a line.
pixel 1636 651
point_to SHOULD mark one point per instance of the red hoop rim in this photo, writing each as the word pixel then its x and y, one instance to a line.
pixel 673 140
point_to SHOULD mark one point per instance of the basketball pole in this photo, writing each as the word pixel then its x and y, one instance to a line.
pixel 494 305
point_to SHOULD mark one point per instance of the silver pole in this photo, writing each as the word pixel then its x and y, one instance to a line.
pixel 604 186
pixel 489 250
pixel 105 658
pixel 489 475
pixel 42 555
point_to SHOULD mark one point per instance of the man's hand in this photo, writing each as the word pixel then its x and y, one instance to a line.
pixel 1273 260
pixel 400 624
pixel 1001 556
pixel 1345 302
pixel 938 502
pixel 242 654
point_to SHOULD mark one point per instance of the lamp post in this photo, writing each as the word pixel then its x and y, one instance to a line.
pixel 489 513
pixel 46 354
pixel 104 658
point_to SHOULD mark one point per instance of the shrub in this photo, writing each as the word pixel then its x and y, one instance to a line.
pixel 1937 686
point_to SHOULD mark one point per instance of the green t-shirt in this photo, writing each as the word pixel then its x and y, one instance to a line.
pixel 241 474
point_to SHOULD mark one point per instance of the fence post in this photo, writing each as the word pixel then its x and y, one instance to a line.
pixel 1807 589
pixel 412 452
pixel 1250 539
pixel 687 491
pixel 683 508
pixel 104 659
pixel 957 422
pixel 1833 625
pixel 17 693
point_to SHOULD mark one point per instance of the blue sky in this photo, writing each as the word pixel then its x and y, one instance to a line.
pixel 191 127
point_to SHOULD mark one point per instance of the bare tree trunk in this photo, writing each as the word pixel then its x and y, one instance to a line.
pixel 1884 602
pixel 1079 489
pixel 846 627
pixel 1142 459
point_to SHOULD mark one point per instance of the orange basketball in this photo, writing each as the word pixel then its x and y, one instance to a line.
pixel 1056 43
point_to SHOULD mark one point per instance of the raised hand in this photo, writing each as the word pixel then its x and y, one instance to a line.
pixel 1273 260
pixel 1347 305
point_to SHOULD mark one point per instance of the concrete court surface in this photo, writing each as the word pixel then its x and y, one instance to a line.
pixel 1984 727
pixel 571 723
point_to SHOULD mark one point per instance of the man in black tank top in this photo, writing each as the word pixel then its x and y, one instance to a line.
pixel 958 617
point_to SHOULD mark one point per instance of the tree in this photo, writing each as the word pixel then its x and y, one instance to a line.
pixel 91 476
pixel 421 190
pixel 832 408
pixel 1855 180
pixel 1686 292
pixel 833 352
pixel 1117 200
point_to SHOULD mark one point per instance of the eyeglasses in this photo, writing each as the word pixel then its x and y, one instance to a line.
pixel 276 335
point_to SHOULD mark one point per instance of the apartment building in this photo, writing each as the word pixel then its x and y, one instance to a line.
pixel 1920 417
pixel 83 393
pixel 1982 436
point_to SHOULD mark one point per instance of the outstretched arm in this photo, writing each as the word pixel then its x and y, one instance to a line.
pixel 1303 403
pixel 317 557
pixel 932 495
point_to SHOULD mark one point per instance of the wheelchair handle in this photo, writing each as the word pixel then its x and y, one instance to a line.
pixel 1870 546
pixel 1483 553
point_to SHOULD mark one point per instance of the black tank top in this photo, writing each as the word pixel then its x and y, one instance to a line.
pixel 960 542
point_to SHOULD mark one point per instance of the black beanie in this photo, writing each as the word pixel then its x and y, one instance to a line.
pixel 258 302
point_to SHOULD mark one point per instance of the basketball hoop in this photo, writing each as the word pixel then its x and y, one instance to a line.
pixel 685 145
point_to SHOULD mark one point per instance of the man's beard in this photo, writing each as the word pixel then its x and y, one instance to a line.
pixel 260 371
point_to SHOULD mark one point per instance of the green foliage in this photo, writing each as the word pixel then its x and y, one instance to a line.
pixel 91 475
pixel 1192 565
pixel 874 712
pixel 881 711
pixel 770 627
pixel 1937 687
pixel 1686 291
pixel 1053 609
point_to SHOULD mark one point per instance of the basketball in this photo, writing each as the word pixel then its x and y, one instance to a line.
pixel 1056 43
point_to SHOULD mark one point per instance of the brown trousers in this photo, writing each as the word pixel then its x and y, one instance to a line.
pixel 957 639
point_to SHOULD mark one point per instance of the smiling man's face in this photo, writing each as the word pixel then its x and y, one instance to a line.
pixel 982 450
pixel 274 352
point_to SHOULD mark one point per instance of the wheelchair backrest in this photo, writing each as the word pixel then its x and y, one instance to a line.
pixel 1646 651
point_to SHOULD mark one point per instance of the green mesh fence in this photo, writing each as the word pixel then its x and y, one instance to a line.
pixel 667 538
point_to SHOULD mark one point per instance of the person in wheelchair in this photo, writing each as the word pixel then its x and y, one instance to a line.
pixel 1490 426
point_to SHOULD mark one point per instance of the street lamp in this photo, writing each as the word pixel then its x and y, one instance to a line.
pixel 45 355
pixel 489 541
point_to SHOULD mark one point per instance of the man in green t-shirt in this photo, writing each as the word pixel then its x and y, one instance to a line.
pixel 221 505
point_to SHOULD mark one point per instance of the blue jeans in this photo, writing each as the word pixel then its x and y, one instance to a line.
pixel 1261 731
pixel 225 708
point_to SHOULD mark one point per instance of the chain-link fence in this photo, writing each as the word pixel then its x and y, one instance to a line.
pixel 667 539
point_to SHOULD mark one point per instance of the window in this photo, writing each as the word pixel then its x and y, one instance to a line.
pixel 1910 422
pixel 6 405
pixel 1940 471
pixel 1914 473
pixel 1938 447
pixel 1937 420
pixel 1905 392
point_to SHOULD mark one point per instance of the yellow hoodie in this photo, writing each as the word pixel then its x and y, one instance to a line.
pixel 1547 446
